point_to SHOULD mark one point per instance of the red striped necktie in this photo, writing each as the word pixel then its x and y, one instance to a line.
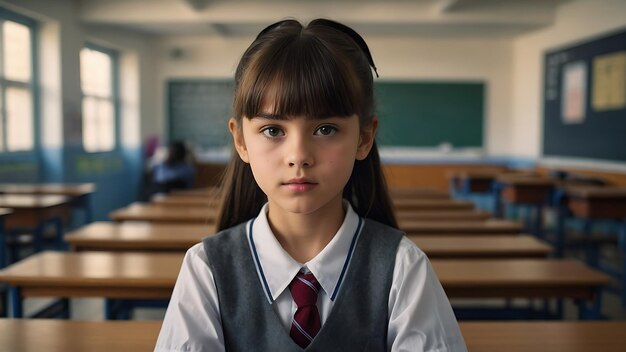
pixel 306 321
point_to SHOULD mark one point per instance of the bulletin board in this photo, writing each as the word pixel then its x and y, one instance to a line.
pixel 584 112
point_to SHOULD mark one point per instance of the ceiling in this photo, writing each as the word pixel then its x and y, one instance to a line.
pixel 232 18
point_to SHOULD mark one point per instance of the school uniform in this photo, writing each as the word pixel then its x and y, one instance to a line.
pixel 238 295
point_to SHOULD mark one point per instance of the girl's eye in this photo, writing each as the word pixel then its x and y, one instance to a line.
pixel 326 130
pixel 272 132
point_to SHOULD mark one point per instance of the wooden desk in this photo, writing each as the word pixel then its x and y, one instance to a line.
pixel 431 204
pixel 511 278
pixel 143 237
pixel 186 201
pixel 597 202
pixel 35 335
pixel 481 246
pixel 557 336
pixel 80 193
pixel 137 236
pixel 478 181
pixel 152 213
pixel 530 191
pixel 442 215
pixel 196 192
pixel 92 274
pixel 63 189
pixel 461 227
pixel 518 189
pixel 35 212
pixel 522 278
pixel 417 193
pixel 152 276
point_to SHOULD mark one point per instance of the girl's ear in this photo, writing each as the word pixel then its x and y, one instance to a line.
pixel 238 140
pixel 366 140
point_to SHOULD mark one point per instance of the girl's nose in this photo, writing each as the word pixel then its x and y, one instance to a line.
pixel 300 153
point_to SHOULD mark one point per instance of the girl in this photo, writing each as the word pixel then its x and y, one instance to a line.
pixel 308 256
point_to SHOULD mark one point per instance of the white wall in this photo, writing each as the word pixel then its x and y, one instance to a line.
pixel 396 58
pixel 576 21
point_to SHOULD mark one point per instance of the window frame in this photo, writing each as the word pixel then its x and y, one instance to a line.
pixel 32 86
pixel 115 98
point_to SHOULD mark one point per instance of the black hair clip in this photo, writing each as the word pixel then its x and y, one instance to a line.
pixel 353 34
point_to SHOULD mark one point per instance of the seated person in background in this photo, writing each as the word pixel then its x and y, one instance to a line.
pixel 175 172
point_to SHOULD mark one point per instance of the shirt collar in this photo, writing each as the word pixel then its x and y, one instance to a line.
pixel 277 268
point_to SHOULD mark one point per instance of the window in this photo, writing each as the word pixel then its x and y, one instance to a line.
pixel 17 86
pixel 97 80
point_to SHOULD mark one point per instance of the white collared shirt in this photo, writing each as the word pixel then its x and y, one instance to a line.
pixel 420 316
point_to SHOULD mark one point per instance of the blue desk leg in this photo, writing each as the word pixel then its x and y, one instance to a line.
pixel 110 309
pixel 17 302
pixel 58 229
pixel 593 313
pixel 560 230
pixel 38 240
pixel 3 244
pixel 86 203
pixel 539 221
pixel 622 245
pixel 497 202
pixel 591 249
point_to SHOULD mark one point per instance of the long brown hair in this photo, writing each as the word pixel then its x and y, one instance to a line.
pixel 321 70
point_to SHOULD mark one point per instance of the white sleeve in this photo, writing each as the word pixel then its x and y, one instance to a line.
pixel 420 315
pixel 192 321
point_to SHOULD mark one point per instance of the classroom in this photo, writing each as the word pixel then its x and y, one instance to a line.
pixel 500 134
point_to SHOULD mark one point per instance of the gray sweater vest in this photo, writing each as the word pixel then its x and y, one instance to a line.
pixel 357 322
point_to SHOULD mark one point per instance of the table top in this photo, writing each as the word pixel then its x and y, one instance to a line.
pixel 155 213
pixel 138 235
pixel 600 192
pixel 64 189
pixel 481 246
pixel 554 336
pixel 95 269
pixel 30 335
pixel 495 226
pixel 31 201
pixel 441 215
pixel 186 201
pixel 105 270
pixel 511 273
pixel 415 192
pixel 5 211
pixel 525 180
pixel 35 335
pixel 432 204
pixel 196 192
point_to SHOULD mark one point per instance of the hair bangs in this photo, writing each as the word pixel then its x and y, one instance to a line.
pixel 304 78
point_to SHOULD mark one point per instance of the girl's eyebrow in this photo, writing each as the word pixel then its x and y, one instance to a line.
pixel 269 116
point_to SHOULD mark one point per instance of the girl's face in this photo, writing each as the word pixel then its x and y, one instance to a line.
pixel 302 165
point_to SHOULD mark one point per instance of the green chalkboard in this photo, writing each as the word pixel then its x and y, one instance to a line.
pixel 199 111
pixel 427 114
pixel 412 114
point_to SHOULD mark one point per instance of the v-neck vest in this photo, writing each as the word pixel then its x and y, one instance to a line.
pixel 357 322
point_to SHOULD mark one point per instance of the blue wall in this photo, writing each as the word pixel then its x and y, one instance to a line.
pixel 117 174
